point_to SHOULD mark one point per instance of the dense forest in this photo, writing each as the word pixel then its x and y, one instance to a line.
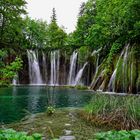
pixel 105 46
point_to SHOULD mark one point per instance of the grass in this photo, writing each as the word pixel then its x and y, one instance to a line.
pixel 81 87
pixel 117 112
pixel 103 113
pixel 53 126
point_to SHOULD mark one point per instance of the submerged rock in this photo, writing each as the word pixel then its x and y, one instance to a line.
pixel 67 138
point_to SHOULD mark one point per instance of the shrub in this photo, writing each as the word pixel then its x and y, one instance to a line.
pixel 10 134
pixel 118 135
pixel 50 110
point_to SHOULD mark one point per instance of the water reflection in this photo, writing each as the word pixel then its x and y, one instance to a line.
pixel 14 101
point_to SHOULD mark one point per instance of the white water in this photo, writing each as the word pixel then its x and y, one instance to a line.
pixel 131 70
pixel 97 64
pixel 15 80
pixel 55 61
pixel 34 70
pixel 125 69
pixel 73 60
pixel 111 85
pixel 44 68
pixel 79 74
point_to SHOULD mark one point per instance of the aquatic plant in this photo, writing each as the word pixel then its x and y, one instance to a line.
pixel 119 112
pixel 50 110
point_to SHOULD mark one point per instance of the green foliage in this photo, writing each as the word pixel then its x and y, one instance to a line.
pixel 118 135
pixel 11 22
pixel 50 110
pixel 7 72
pixel 36 33
pixel 84 53
pixel 79 87
pixel 115 19
pixel 115 49
pixel 85 20
pixel 10 134
pixel 56 36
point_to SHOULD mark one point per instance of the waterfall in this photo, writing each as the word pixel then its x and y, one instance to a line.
pixel 73 59
pixel 111 84
pixel 34 70
pixel 79 74
pixel 44 68
pixel 15 80
pixel 97 55
pixel 97 63
pixel 125 69
pixel 55 61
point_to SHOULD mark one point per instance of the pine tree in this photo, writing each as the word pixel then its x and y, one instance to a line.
pixel 53 17
pixel 82 8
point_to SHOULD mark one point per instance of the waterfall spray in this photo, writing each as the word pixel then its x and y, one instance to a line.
pixel 79 74
pixel 55 61
pixel 34 70
pixel 73 60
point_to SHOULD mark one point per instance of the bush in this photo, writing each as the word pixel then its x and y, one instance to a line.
pixel 118 135
pixel 10 134
pixel 50 110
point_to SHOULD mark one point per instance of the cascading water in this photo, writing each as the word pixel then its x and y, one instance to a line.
pixel 79 74
pixel 97 63
pixel 15 80
pixel 111 85
pixel 73 60
pixel 44 68
pixel 97 55
pixel 55 61
pixel 34 70
pixel 125 69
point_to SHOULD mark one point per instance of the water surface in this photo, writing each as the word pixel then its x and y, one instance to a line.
pixel 16 101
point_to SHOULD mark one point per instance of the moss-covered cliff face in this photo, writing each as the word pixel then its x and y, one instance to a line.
pixel 122 73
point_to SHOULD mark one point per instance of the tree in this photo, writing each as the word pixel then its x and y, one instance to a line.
pixel 116 21
pixel 82 9
pixel 85 21
pixel 8 71
pixel 56 35
pixel 53 17
pixel 11 22
pixel 35 32
pixel 11 38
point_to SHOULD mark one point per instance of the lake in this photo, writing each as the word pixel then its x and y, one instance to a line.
pixel 16 101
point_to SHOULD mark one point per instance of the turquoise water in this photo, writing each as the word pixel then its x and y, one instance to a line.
pixel 15 102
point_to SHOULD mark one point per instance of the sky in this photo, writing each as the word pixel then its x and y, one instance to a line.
pixel 66 11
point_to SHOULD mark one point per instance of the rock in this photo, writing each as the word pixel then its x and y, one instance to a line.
pixel 67 132
pixel 67 124
pixel 67 138
pixel 50 122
